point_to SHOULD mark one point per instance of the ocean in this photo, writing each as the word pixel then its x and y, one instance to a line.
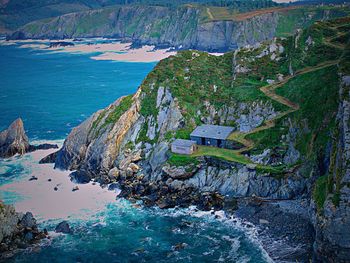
pixel 53 92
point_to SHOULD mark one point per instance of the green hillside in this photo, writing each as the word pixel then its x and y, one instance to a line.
pixel 306 97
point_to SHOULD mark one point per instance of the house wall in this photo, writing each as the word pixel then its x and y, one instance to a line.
pixel 209 142
pixel 182 149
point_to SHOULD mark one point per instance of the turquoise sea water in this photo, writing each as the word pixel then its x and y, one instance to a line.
pixel 55 92
pixel 52 93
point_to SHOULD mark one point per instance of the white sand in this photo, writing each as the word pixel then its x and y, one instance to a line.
pixel 144 54
pixel 118 52
pixel 40 198
pixel 115 51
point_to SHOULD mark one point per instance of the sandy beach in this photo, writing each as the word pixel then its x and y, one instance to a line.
pixel 113 51
pixel 39 196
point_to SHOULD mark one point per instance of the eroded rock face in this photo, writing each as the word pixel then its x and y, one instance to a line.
pixel 333 223
pixel 13 140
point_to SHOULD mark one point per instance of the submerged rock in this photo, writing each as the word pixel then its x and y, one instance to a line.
pixel 63 227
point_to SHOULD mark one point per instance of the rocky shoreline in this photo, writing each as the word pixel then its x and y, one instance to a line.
pixel 18 231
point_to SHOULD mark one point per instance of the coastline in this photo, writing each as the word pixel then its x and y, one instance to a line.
pixel 99 48
pixel 262 223
pixel 39 196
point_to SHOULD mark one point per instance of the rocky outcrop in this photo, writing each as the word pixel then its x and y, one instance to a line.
pixel 15 141
pixel 63 227
pixel 17 231
pixel 332 224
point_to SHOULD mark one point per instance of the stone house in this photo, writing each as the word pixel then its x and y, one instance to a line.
pixel 181 146
pixel 212 135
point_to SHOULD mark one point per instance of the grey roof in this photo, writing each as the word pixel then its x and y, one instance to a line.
pixel 213 131
pixel 183 143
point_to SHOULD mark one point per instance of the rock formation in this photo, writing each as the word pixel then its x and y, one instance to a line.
pixel 17 231
pixel 15 141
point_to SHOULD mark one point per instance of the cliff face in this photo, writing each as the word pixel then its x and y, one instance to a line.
pixel 332 221
pixel 183 27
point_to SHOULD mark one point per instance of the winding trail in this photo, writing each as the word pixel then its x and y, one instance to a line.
pixel 210 14
pixel 269 91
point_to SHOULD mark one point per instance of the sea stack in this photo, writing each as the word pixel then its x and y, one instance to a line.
pixel 13 140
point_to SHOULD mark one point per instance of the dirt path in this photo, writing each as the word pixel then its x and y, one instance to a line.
pixel 269 91
pixel 210 14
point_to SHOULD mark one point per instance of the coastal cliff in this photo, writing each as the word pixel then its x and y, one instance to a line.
pixel 291 131
pixel 184 27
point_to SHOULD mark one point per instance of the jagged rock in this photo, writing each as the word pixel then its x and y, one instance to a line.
pixel 13 140
pixel 134 167
pixel 80 177
pixel 49 158
pixel 63 227
pixel 182 172
pixel 28 220
pixel 113 174
pixel 16 231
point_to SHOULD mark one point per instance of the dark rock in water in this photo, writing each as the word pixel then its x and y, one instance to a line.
pixel 28 220
pixel 49 180
pixel 55 188
pixel 75 188
pixel 113 186
pixel 80 177
pixel 49 159
pixel 63 227
pixel 61 44
pixel 33 178
pixel 44 146
pixel 29 236
pixel 13 140
pixel 179 246
pixel 16 231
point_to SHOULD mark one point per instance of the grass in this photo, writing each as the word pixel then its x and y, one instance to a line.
pixel 221 153
pixel 182 160
pixel 123 106
pixel 319 193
